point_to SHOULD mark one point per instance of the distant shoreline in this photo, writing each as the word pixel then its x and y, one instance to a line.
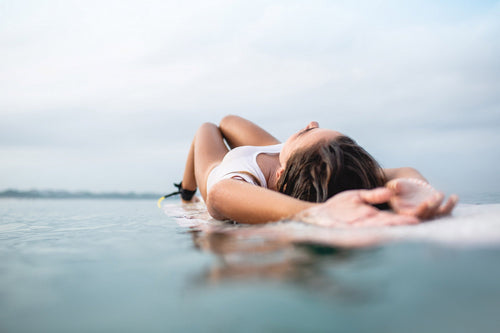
pixel 469 198
pixel 54 194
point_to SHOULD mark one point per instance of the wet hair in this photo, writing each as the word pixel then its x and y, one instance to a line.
pixel 319 172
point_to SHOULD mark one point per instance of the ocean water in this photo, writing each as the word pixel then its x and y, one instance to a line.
pixel 125 266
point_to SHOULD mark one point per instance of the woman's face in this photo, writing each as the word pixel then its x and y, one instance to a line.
pixel 305 138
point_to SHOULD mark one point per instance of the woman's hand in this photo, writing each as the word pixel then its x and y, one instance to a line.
pixel 354 208
pixel 414 197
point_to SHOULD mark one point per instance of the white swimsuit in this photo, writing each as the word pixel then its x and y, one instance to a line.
pixel 241 162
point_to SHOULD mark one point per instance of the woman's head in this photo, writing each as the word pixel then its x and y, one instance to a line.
pixel 306 137
pixel 326 163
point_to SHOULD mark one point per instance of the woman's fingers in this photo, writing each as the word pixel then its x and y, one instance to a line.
pixel 427 209
pixel 376 196
pixel 394 185
pixel 419 211
pixel 433 206
pixel 448 206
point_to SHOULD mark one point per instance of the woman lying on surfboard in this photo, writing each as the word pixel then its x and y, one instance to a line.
pixel 318 176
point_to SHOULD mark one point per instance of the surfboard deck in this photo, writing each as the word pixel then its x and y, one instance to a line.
pixel 469 225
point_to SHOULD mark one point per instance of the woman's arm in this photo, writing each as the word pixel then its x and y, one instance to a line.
pixel 406 172
pixel 241 132
pixel 242 202
pixel 231 199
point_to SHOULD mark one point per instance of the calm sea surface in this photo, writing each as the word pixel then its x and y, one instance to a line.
pixel 124 266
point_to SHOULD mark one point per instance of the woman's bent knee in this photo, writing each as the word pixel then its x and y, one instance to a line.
pixel 207 127
pixel 228 120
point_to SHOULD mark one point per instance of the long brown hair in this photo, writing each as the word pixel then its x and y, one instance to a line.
pixel 319 172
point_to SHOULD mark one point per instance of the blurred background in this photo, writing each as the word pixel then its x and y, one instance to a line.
pixel 106 95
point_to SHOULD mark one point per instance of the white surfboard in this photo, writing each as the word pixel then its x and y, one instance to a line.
pixel 469 225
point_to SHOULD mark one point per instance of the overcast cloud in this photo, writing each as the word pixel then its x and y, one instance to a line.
pixel 106 95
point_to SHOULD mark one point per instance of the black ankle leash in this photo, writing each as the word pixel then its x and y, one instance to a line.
pixel 186 195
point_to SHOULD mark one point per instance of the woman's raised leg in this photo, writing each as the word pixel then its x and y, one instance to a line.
pixel 207 151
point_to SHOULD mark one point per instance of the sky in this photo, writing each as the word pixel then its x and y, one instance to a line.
pixel 107 95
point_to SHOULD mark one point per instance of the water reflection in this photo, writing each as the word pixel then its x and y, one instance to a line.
pixel 250 258
pixel 335 263
pixel 249 254
pixel 287 251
